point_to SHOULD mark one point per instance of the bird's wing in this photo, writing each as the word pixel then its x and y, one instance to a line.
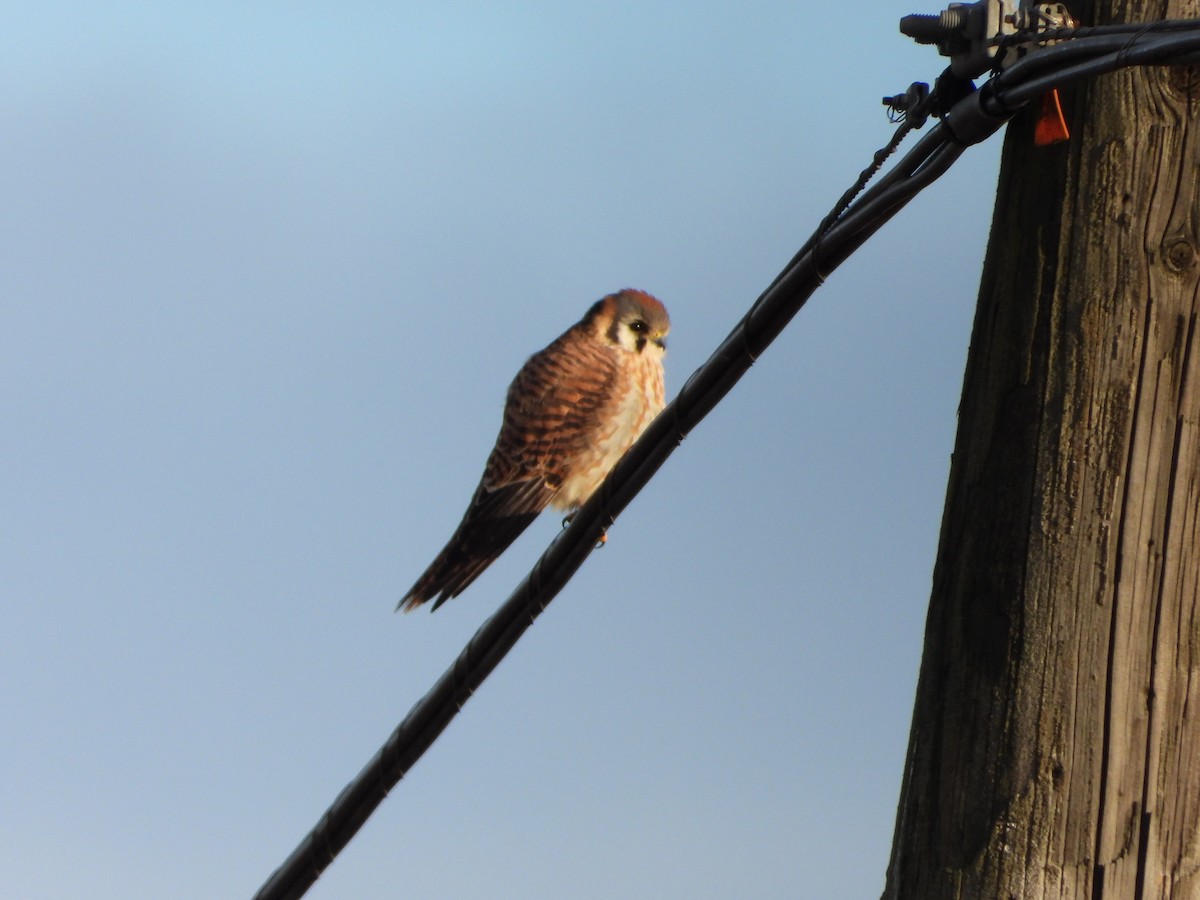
pixel 493 521
pixel 553 407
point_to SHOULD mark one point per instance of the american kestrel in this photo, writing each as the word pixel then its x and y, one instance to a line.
pixel 572 411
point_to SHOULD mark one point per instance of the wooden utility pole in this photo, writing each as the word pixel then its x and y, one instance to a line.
pixel 1055 745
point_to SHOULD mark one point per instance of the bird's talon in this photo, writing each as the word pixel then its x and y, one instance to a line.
pixel 567 521
pixel 603 540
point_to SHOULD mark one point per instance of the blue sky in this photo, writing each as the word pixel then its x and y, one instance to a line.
pixel 266 273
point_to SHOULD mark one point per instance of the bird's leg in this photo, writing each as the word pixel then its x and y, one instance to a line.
pixel 603 533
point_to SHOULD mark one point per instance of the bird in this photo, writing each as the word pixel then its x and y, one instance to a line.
pixel 572 411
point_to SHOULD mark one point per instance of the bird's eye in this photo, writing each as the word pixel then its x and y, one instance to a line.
pixel 637 326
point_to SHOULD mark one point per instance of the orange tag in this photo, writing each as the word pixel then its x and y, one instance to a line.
pixel 1051 127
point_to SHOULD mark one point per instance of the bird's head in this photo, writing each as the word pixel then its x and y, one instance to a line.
pixel 633 321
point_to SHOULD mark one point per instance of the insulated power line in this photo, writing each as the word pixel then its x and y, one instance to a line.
pixel 840 234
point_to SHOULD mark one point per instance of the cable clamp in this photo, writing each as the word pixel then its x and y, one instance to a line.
pixel 912 106
pixel 988 34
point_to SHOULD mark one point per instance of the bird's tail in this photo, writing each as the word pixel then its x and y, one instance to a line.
pixel 475 545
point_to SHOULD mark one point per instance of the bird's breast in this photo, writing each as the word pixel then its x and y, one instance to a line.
pixel 638 397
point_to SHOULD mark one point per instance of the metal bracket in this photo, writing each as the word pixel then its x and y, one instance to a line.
pixel 978 37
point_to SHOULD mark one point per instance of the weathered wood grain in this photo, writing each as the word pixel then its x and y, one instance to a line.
pixel 1055 746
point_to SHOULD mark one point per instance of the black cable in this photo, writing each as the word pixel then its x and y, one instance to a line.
pixel 769 315
pixel 839 235
pixel 1098 41
pixel 1175 49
